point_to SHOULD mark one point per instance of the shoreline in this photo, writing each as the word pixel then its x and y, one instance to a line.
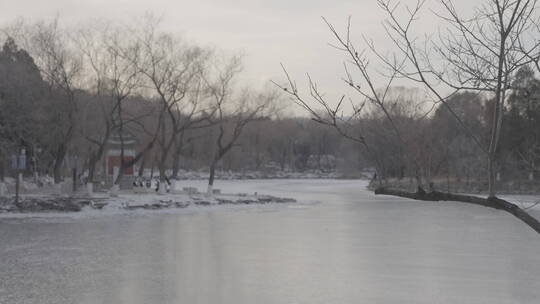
pixel 128 202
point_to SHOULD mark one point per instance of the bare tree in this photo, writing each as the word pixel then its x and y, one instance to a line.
pixel 233 113
pixel 99 59
pixel 480 53
pixel 113 54
pixel 333 115
pixel 173 72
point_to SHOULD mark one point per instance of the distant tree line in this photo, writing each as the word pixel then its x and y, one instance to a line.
pixel 65 92
pixel 437 149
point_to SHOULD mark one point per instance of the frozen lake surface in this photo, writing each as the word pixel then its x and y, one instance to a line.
pixel 339 244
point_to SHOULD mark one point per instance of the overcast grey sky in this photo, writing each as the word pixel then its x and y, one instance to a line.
pixel 267 32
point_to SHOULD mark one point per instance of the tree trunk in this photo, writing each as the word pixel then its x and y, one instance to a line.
pixel 162 169
pixel 125 165
pixel 176 159
pixel 491 202
pixel 141 168
pixel 95 156
pixel 175 165
pixel 283 160
pixel 2 171
pixel 91 168
pixel 211 178
pixel 120 172
pixel 92 161
pixel 152 169
pixel 491 177
pixel 162 178
pixel 58 162
pixel 497 116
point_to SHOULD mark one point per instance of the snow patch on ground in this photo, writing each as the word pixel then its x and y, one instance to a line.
pixel 127 203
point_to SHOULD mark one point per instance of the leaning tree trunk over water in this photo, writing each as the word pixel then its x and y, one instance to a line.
pixel 491 202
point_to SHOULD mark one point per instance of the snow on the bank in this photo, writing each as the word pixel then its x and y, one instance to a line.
pixel 306 192
pixel 140 204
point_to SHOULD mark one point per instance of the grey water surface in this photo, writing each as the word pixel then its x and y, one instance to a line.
pixel 339 244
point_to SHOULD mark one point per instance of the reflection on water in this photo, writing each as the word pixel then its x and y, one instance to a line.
pixel 352 247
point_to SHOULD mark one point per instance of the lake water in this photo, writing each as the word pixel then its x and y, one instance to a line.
pixel 339 244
